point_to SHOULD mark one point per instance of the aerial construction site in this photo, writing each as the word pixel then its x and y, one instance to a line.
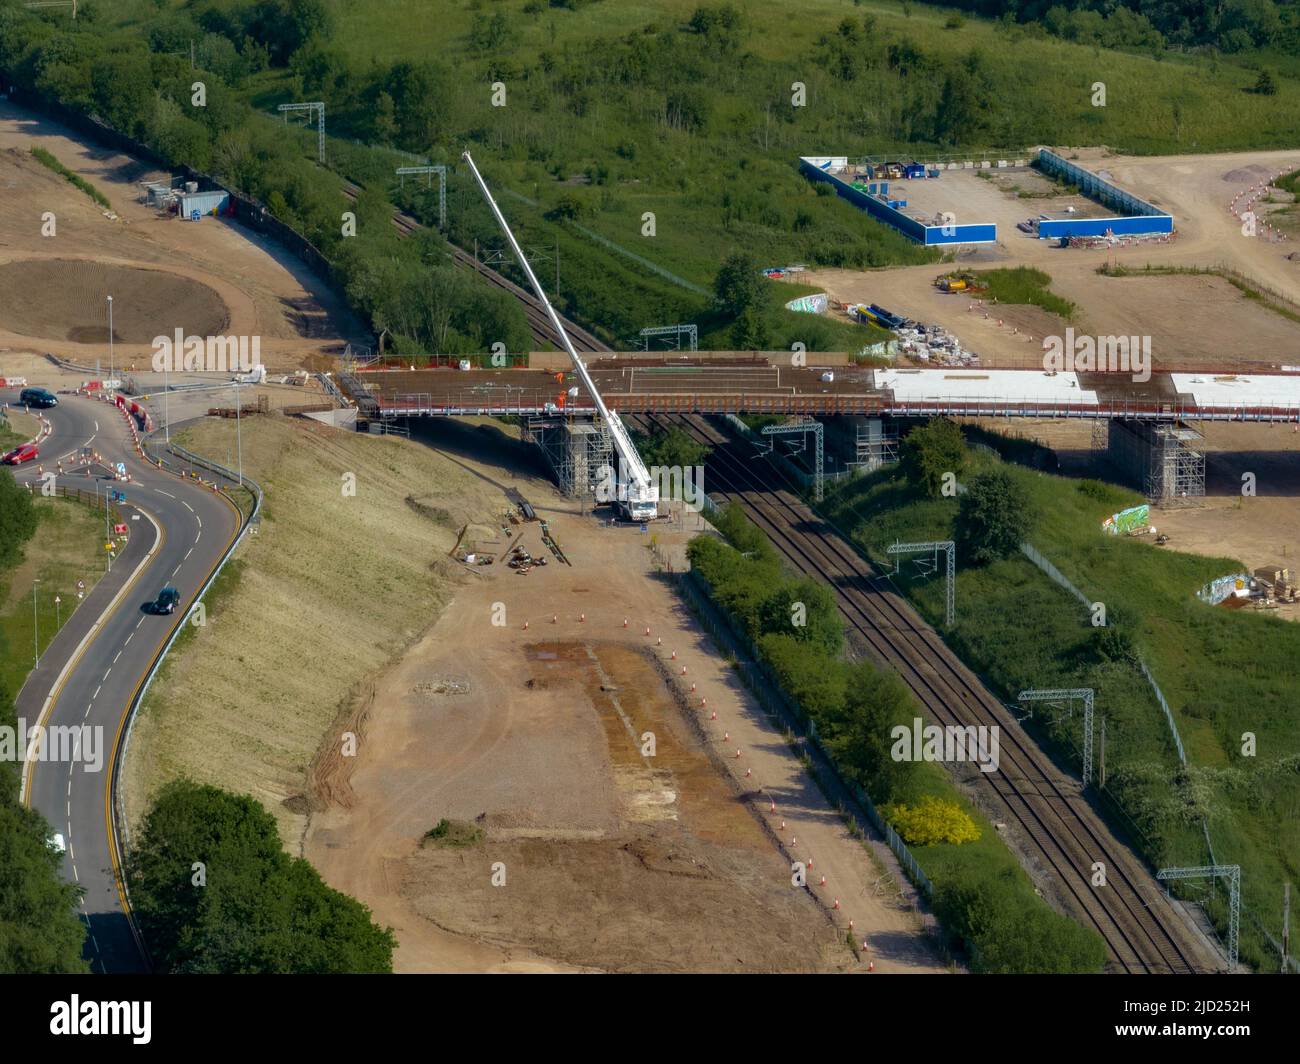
pixel 788 538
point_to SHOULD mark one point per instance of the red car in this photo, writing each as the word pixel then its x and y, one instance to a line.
pixel 26 453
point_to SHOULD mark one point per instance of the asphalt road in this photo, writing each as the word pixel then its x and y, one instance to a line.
pixel 90 674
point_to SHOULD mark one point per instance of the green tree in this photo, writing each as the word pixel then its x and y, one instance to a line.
pixel 806 610
pixel 1264 84
pixel 18 519
pixel 932 451
pixel 994 517
pixel 39 929
pixel 258 910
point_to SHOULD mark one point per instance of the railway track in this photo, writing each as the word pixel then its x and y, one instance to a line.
pixel 539 325
pixel 1142 931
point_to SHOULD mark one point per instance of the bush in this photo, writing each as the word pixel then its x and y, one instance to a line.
pixel 931 820
pixel 994 517
pixel 1004 935
pixel 933 451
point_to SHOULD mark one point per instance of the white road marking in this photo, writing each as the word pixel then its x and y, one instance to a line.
pixel 116 656
pixel 110 669
pixel 197 538
pixel 187 554
pixel 129 638
pixel 177 569
pixel 138 623
pixel 167 493
pixel 96 694
pixel 75 875
pixel 188 506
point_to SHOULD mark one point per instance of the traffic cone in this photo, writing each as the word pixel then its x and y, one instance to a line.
pixel 837 904
pixel 726 737
pixel 692 688
pixel 647 629
pixel 555 618
pixel 748 772
pixel 624 622
pixel 674 658
pixel 871 965
pixel 582 617
pixel 712 716
pixel 683 670
pixel 525 626
pixel 738 754
pixel 823 882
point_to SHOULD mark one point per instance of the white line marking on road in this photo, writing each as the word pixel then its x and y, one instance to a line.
pixel 167 493
pixel 129 638
pixel 138 623
pixel 116 656
pixel 177 569
pixel 110 669
pixel 187 506
pixel 87 711
pixel 74 874
pixel 187 554
pixel 198 537
pixel 96 694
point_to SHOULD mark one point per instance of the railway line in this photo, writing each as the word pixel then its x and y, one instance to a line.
pixel 538 324
pixel 1142 931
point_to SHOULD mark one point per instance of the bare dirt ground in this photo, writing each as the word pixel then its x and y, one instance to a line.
pixel 614 860
pixel 1191 319
pixel 264 290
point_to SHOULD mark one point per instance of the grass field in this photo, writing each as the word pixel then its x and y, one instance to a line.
pixel 68 546
pixel 698 129
pixel 16 427
pixel 331 589
pixel 1224 673
pixel 1024 284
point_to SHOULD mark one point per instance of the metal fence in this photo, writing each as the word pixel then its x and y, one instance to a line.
pixel 766 688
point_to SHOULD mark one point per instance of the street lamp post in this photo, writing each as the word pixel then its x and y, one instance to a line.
pixel 58 618
pixel 36 639
pixel 239 442
pixel 110 337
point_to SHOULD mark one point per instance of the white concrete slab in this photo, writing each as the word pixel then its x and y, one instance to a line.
pixel 1207 389
pixel 1007 385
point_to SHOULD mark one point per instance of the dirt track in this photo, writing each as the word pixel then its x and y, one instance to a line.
pixel 217 268
pixel 614 860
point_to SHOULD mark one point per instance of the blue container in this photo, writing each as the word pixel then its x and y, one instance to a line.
pixel 872 188
pixel 884 188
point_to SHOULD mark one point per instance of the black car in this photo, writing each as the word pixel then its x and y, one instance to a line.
pixel 166 602
pixel 40 398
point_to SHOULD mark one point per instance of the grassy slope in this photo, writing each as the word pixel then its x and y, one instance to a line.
pixel 1223 673
pixel 330 590
pixel 67 547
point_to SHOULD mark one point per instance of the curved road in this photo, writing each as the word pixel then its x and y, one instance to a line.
pixel 91 672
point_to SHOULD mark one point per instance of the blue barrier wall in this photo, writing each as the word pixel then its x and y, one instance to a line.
pixel 1137 215
pixel 961 234
pixel 1160 223
pixel 882 212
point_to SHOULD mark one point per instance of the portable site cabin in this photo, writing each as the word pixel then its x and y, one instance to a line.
pixel 915 170
pixel 197 204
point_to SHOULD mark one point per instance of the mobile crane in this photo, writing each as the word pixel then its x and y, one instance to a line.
pixel 636 494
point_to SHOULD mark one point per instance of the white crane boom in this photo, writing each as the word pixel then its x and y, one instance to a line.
pixel 642 495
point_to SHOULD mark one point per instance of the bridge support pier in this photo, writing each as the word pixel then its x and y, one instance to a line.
pixel 1163 460
pixel 576 449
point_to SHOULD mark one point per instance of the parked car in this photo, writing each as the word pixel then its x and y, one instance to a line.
pixel 26 453
pixel 166 602
pixel 41 398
